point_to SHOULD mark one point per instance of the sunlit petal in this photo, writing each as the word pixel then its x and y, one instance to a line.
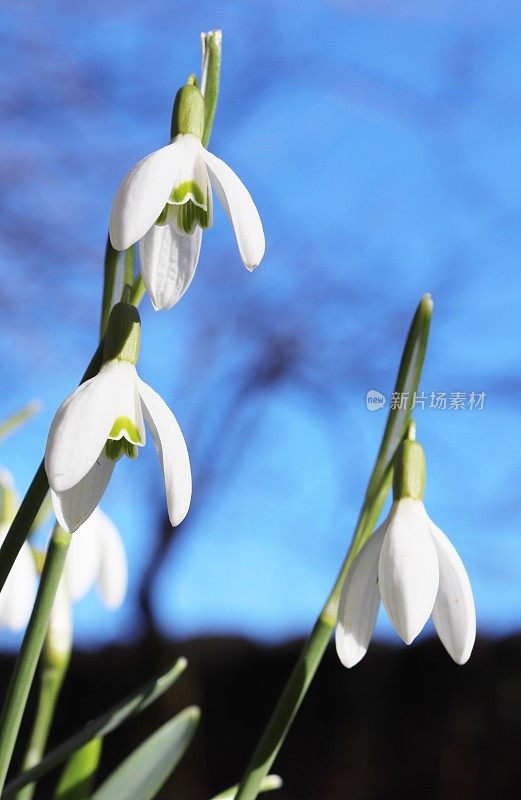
pixel 113 575
pixel 241 210
pixel 359 602
pixel 83 559
pixel 172 452
pixel 142 196
pixel 191 178
pixel 59 631
pixel 80 429
pixel 73 506
pixel 168 261
pixel 408 572
pixel 17 596
pixel 454 613
pixel 128 422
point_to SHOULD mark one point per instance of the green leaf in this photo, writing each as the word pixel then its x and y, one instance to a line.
pixel 107 722
pixel 13 421
pixel 211 44
pixel 79 773
pixel 398 419
pixel 269 783
pixel 407 383
pixel 143 773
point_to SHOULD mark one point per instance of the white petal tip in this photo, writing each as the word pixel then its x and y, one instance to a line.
pixel 177 517
pixel 408 638
pixel 117 242
pixel 348 650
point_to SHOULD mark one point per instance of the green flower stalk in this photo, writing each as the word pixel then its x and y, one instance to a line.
pixel 54 662
pixel 29 654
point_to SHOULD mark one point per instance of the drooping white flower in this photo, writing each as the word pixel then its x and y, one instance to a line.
pixel 17 596
pixel 166 200
pixel 105 418
pixel 409 564
pixel 96 557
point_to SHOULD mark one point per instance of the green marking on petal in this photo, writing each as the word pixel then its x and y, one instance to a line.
pixel 189 215
pixel 202 216
pixel 124 428
pixel 186 191
pixel 163 217
pixel 116 448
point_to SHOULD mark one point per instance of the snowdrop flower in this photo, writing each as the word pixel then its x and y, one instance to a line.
pixel 17 596
pixel 165 202
pixel 97 557
pixel 105 418
pixel 410 564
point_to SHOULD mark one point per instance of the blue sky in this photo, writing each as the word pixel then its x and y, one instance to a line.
pixel 381 144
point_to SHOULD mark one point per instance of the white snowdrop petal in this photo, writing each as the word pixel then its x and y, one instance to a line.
pixel 359 602
pixel 142 195
pixel 113 575
pixel 82 565
pixel 171 448
pixel 80 428
pixel 168 261
pixel 408 572
pixel 129 401
pixel 454 613
pixel 191 169
pixel 240 208
pixel 73 506
pixel 17 596
pixel 60 621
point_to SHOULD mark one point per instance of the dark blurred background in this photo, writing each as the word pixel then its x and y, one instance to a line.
pixel 380 141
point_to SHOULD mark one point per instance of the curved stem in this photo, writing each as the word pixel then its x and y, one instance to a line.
pixel 29 654
pixel 129 266
pixel 109 282
pixel 378 487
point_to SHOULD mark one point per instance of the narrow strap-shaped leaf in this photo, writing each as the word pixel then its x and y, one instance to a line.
pixel 211 44
pixel 143 773
pixel 269 783
pixel 99 727
pixel 10 423
pixel 79 773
